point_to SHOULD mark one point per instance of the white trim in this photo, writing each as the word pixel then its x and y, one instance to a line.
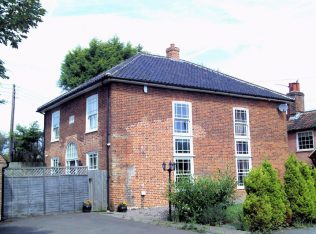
pixel 249 147
pixel 52 161
pixel 248 122
pixel 189 133
pixel 250 167
pixel 182 154
pixel 88 100
pixel 297 143
pixel 55 115
pixel 88 160
pixel 175 158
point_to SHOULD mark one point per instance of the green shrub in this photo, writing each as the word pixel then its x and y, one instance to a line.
pixel 203 200
pixel 299 189
pixel 258 212
pixel 265 188
pixel 235 216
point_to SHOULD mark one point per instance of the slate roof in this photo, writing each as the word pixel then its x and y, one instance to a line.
pixel 302 121
pixel 154 69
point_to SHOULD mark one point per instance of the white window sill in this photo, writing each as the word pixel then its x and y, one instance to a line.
pixel 304 150
pixel 240 187
pixel 93 169
pixel 55 140
pixel 184 155
pixel 90 131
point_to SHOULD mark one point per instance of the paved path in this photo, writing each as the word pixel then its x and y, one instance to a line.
pixel 82 223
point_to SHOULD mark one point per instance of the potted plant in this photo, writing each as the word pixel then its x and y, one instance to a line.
pixel 122 207
pixel 86 206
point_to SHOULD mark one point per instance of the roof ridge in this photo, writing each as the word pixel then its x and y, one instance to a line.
pixel 133 58
pixel 218 72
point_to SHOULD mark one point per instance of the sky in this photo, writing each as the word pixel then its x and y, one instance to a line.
pixel 269 43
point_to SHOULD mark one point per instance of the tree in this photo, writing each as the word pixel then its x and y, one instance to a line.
pixel 3 142
pixel 81 64
pixel 17 17
pixel 266 206
pixel 28 143
pixel 298 191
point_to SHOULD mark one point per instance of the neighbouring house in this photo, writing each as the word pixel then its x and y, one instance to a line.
pixel 301 127
pixel 152 109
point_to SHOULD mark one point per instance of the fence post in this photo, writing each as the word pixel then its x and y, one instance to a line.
pixel 44 192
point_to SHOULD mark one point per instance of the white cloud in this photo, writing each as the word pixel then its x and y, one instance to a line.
pixel 277 41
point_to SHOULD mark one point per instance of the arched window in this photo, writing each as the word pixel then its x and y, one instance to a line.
pixel 71 155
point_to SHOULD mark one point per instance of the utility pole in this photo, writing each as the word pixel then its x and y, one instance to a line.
pixel 12 124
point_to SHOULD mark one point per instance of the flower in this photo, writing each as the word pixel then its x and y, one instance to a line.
pixel 123 204
pixel 87 202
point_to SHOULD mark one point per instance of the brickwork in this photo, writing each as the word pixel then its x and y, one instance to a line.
pixel 141 137
pixel 141 129
pixel 75 133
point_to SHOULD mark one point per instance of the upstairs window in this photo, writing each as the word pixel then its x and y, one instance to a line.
pixel 55 125
pixel 241 122
pixel 305 141
pixel 182 116
pixel 92 113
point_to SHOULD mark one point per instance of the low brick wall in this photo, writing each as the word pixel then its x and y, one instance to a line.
pixel 3 163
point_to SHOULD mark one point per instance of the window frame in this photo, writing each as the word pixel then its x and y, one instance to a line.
pixel 175 153
pixel 88 101
pixel 53 136
pixel 52 162
pixel 249 148
pixel 297 141
pixel 248 122
pixel 68 160
pixel 189 133
pixel 183 158
pixel 88 160
pixel 237 172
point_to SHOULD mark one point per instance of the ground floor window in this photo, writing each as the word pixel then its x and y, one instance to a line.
pixel 183 168
pixel 92 161
pixel 243 168
pixel 54 162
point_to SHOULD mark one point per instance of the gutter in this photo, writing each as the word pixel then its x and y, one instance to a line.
pixel 2 194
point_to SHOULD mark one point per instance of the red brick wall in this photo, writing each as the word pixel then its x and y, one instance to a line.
pixel 301 155
pixel 86 142
pixel 141 138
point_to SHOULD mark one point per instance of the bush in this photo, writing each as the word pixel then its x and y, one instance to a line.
pixel 265 192
pixel 300 190
pixel 203 200
pixel 235 216
pixel 258 212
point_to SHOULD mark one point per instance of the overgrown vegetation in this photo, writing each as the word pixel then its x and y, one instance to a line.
pixel 300 185
pixel 204 200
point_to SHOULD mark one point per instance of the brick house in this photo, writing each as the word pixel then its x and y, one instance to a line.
pixel 301 127
pixel 152 109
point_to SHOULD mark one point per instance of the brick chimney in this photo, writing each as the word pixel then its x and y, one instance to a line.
pixel 294 92
pixel 173 52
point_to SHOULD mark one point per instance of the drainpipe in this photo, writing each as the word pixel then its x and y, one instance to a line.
pixel 2 196
pixel 108 144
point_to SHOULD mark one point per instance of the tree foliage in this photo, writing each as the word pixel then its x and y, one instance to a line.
pixel 81 64
pixel 17 17
pixel 300 189
pixel 3 143
pixel 28 143
pixel 266 206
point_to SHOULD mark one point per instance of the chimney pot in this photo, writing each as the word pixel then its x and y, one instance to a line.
pixel 173 52
pixel 294 92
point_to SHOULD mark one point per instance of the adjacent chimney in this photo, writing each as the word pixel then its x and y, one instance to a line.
pixel 294 92
pixel 173 52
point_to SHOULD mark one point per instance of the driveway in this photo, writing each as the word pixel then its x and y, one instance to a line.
pixel 82 223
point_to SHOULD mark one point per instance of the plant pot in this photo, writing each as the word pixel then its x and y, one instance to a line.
pixel 86 208
pixel 122 208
